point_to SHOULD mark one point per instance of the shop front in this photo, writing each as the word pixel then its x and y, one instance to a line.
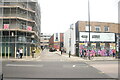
pixel 102 44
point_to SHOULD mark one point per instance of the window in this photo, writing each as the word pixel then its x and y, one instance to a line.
pixel 45 39
pixel 87 28
pixel 56 37
pixel 97 28
pixel 6 3
pixel 106 28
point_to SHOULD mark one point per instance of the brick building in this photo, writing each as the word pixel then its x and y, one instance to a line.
pixel 103 35
pixel 56 41
pixel 45 40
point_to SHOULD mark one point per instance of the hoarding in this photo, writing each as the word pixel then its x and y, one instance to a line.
pixel 97 37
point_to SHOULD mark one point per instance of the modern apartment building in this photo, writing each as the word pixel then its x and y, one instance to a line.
pixel 103 35
pixel 56 41
pixel 45 40
pixel 19 26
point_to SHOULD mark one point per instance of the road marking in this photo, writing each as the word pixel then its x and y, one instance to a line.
pixel 101 72
pixel 23 65
pixel 61 60
pixel 74 65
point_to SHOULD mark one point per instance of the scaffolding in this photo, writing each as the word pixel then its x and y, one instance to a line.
pixel 20 27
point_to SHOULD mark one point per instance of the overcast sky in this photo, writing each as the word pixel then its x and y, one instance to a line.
pixel 57 15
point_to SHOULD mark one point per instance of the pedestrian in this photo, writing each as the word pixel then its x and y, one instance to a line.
pixel 33 52
pixel 61 51
pixel 18 54
pixel 107 52
pixel 69 53
pixel 114 51
pixel 21 52
pixel 82 53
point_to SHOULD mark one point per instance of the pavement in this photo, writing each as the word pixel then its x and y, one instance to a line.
pixel 65 55
pixel 94 59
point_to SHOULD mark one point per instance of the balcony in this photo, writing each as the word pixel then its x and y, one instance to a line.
pixel 17 6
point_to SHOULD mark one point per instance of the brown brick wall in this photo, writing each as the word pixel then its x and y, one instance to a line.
pixel 113 27
pixel 51 41
pixel 56 44
pixel 61 37
pixel 119 28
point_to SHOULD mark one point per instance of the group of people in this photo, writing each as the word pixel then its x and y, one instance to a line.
pixel 107 52
pixel 84 52
pixel 19 53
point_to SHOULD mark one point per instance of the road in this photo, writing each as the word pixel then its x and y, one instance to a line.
pixel 108 67
pixel 52 66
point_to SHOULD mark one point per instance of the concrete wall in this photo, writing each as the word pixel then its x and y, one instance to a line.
pixel 13 12
pixel 66 40
pixel 1 22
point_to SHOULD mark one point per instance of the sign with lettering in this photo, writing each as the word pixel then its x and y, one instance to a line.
pixel 6 26
pixel 97 37
pixel 29 28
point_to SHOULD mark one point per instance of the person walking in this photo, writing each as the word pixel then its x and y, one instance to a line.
pixel 114 52
pixel 107 52
pixel 33 52
pixel 21 53
pixel 18 54
pixel 61 51
pixel 82 53
pixel 85 54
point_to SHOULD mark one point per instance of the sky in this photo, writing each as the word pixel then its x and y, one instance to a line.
pixel 58 15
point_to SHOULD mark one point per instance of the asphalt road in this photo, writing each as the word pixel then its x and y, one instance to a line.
pixel 108 67
pixel 45 69
pixel 52 67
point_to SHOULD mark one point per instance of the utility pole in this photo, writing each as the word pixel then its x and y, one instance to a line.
pixel 89 44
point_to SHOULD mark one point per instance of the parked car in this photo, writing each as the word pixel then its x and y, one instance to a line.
pixel 52 49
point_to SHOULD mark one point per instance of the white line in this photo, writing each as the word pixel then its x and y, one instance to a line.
pixel 22 65
pixel 74 65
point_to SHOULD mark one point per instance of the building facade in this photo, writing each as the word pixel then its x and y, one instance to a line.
pixel 20 26
pixel 56 41
pixel 69 40
pixel 103 36
pixel 118 36
pixel 45 40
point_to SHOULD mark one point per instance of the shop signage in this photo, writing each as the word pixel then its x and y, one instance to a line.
pixel 84 36
pixel 97 37
pixel 29 28
pixel 6 26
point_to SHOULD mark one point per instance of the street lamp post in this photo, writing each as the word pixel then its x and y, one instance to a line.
pixel 89 44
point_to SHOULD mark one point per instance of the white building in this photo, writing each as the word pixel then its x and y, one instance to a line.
pixel 45 39
pixel 69 40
